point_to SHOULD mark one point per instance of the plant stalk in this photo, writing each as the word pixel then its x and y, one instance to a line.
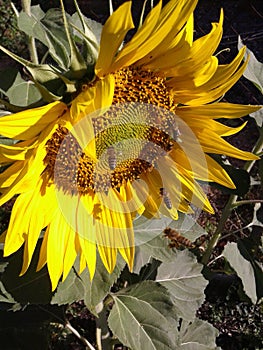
pixel 26 6
pixel 82 339
pixel 103 338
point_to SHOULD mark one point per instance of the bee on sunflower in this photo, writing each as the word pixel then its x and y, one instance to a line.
pixel 89 161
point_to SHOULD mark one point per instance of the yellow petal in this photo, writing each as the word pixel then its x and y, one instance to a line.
pixel 113 34
pixel 15 152
pixel 216 110
pixel 29 123
pixel 27 178
pixel 165 25
pixel 223 79
pixel 212 143
pixel 41 209
pixel 8 176
pixel 42 260
pixel 57 233
pixel 70 253
pixel 207 170
pixel 127 55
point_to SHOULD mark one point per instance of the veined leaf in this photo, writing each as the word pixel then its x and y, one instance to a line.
pixel 150 241
pixel 258 116
pixel 197 335
pixel 43 76
pixel 254 70
pixel 23 93
pixel 78 287
pixel 243 268
pixel 47 28
pixel 143 317
pixel 185 282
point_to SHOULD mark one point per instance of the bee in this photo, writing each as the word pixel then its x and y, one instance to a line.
pixel 166 198
pixel 112 159
pixel 176 239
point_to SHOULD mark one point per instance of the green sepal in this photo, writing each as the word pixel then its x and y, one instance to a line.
pixel 87 34
pixel 77 67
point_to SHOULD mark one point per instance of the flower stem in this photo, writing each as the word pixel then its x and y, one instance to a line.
pixel 76 333
pixel 232 203
pixel 103 337
pixel 225 214
pixel 26 6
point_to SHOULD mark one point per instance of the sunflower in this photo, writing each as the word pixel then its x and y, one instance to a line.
pixel 132 141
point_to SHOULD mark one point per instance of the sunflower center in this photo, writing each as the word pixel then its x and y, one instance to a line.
pixel 129 137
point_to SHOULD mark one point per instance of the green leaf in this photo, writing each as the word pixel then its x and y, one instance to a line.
pixel 197 335
pixel 23 93
pixel 5 297
pixel 188 227
pixel 99 287
pixel 69 291
pixel 149 240
pixel 45 78
pixel 78 287
pixel 143 317
pixel 247 246
pixel 157 247
pixel 47 28
pixel 147 229
pixel 243 268
pixel 254 70
pixel 8 77
pixel 258 116
pixel 185 283
pixel 88 30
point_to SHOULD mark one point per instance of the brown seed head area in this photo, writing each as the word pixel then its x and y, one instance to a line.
pixel 129 137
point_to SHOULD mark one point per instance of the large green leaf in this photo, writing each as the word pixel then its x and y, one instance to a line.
pixel 45 78
pixel 47 28
pixel 254 70
pixel 143 317
pixel 149 240
pixel 22 92
pixel 197 335
pixel 77 287
pixel 243 268
pixel 258 116
pixel 157 247
pixel 187 226
pixel 185 282
pixel 99 287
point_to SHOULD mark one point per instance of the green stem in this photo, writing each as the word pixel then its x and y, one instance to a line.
pixel 232 202
pixel 247 201
pixel 82 339
pixel 26 6
pixel 225 214
pixel 103 338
